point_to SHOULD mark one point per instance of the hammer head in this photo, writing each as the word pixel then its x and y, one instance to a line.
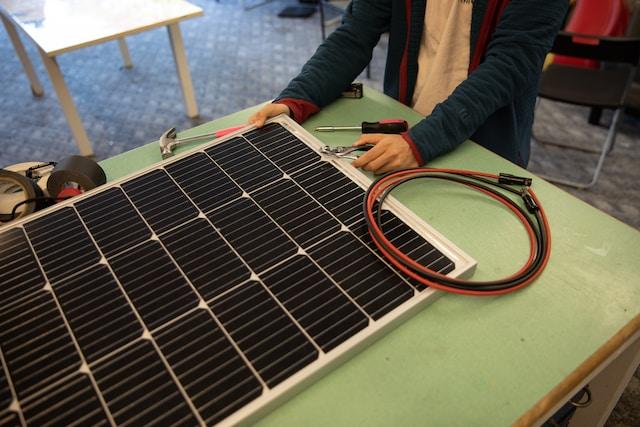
pixel 166 142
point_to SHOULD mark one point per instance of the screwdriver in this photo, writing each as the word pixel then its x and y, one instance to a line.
pixel 382 126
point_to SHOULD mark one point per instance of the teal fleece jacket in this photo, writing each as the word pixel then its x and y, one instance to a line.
pixel 493 106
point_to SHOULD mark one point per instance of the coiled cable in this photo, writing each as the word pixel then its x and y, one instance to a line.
pixel 532 216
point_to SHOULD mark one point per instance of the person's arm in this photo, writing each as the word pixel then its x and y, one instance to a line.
pixel 341 57
pixel 336 62
pixel 513 60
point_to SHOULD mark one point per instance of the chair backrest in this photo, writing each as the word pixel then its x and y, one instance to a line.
pixel 597 18
pixel 610 49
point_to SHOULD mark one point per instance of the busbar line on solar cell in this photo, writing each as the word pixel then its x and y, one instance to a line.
pixel 326 184
pixel 113 222
pixel 138 378
pixel 20 273
pixel 310 296
pixel 9 419
pixel 413 245
pixel 36 344
pixel 203 181
pixel 368 280
pixel 299 215
pixel 211 370
pixel 160 201
pixel 205 258
pixel 73 402
pixel 71 250
pixel 155 286
pixel 240 221
pixel 272 341
pixel 253 171
pixel 8 398
pixel 282 147
pixel 104 321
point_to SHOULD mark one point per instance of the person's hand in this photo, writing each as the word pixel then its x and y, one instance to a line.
pixel 391 152
pixel 266 112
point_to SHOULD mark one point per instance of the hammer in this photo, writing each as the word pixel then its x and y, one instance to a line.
pixel 168 139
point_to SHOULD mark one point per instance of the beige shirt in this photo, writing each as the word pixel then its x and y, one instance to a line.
pixel 443 59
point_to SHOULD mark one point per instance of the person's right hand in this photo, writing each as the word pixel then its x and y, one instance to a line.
pixel 266 112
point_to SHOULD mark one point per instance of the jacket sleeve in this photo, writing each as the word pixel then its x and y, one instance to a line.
pixel 342 56
pixel 512 64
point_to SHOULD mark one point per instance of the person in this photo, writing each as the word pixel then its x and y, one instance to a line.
pixel 471 67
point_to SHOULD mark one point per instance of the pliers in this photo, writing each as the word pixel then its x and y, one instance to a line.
pixel 345 152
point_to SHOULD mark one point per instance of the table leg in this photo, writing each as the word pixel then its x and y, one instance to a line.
pixel 66 102
pixel 124 50
pixel 36 87
pixel 183 70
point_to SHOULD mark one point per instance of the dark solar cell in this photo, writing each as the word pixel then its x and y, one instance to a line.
pixel 159 200
pixel 213 374
pixel 256 238
pixel 296 212
pixel 155 286
pixel 337 193
pixel 411 243
pixel 366 278
pixel 316 303
pixel 20 274
pixel 36 345
pixel 62 244
pixel 284 149
pixel 113 221
pixel 74 401
pixel 5 392
pixel 9 419
pixel 206 259
pixel 272 342
pixel 139 390
pixel 203 181
pixel 246 165
pixel 98 312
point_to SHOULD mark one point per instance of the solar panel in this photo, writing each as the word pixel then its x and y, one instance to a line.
pixel 203 289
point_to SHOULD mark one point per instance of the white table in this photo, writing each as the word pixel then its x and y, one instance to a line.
pixel 60 26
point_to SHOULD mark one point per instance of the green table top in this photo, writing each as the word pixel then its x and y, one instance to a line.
pixel 469 360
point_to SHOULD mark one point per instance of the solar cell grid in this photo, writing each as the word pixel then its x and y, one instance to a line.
pixel 19 272
pixel 35 344
pixel 98 312
pixel 160 201
pixel 207 261
pixel 189 292
pixel 203 181
pixel 113 221
pixel 73 401
pixel 61 243
pixel 272 342
pixel 212 372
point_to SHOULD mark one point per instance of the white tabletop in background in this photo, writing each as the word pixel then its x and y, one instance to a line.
pixel 59 26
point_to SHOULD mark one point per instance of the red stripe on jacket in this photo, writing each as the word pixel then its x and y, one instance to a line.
pixel 492 15
pixel 404 68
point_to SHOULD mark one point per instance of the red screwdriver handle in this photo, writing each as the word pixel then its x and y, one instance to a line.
pixel 385 126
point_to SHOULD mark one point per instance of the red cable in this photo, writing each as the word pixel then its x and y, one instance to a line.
pixel 376 233
pixel 375 194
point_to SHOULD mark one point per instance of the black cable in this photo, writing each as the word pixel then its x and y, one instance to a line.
pixel 505 183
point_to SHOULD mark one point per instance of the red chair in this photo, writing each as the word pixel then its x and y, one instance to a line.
pixel 596 18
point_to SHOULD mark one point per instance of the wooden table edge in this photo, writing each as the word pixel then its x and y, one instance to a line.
pixel 575 379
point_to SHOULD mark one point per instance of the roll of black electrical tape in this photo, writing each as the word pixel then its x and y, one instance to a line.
pixel 79 170
pixel 15 189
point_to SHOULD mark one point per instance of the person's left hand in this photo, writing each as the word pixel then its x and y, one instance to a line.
pixel 391 152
